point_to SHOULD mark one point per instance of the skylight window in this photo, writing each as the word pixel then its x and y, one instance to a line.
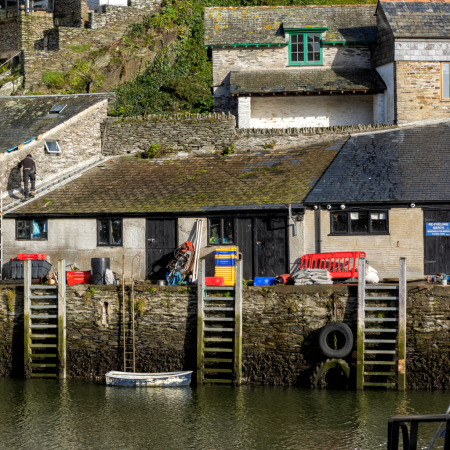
pixel 57 109
pixel 52 147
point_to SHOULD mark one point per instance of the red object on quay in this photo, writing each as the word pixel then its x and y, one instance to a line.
pixel 78 277
pixel 30 257
pixel 214 281
pixel 285 279
pixel 339 264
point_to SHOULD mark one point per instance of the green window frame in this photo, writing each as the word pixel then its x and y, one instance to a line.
pixel 305 49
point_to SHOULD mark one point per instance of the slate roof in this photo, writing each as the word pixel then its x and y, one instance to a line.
pixel 132 185
pixel 265 24
pixel 305 80
pixel 418 19
pixel 405 165
pixel 24 118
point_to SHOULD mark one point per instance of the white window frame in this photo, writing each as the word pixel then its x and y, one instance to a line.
pixel 52 152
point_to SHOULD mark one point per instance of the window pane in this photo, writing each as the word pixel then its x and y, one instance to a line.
pixel 446 80
pixel 39 230
pixel 310 38
pixel 214 231
pixel 378 222
pixel 116 232
pixel 294 57
pixel 316 38
pixel 340 222
pixel 294 48
pixel 103 232
pixel 23 229
pixel 358 222
pixel 228 231
pixel 294 38
pixel 316 56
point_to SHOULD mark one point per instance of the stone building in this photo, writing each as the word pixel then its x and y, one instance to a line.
pixel 330 65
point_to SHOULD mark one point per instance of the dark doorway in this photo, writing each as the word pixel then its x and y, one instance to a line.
pixel 271 256
pixel 244 240
pixel 161 243
pixel 436 242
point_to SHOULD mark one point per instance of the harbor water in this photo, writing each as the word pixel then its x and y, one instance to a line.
pixel 49 414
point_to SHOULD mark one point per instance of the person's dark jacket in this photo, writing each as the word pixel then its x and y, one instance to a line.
pixel 28 164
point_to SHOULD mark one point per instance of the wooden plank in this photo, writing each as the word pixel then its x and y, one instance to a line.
pixel 381 341
pixel 382 298
pixel 380 308
pixel 43 355
pixel 218 360
pixel 62 317
pixel 380 384
pixel 387 352
pixel 381 373
pixel 217 308
pixel 43 297
pixel 218 339
pixel 383 363
pixel 376 319
pixel 218 380
pixel 402 327
pixel 43 326
pixel 44 345
pixel 42 365
pixel 381 330
pixel 40 375
pixel 372 287
pixel 219 370
pixel 200 323
pixel 42 287
pixel 360 325
pixel 43 336
pixel 219 298
pixel 218 329
pixel 238 325
pixel 219 319
pixel 43 306
pixel 219 288
pixel 26 315
pixel 225 350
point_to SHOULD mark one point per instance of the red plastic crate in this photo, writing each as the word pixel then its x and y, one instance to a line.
pixel 339 264
pixel 78 277
pixel 30 257
pixel 214 281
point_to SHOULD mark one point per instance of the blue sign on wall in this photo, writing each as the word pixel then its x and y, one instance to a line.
pixel 438 229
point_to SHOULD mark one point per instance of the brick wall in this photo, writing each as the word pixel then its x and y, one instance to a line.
pixel 405 239
pixel 418 93
pixel 205 132
pixel 80 142
pixel 274 58
pixel 9 44
pixel 280 329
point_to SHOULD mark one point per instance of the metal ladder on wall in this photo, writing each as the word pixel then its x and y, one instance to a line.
pixel 129 344
pixel 381 332
pixel 219 330
pixel 45 325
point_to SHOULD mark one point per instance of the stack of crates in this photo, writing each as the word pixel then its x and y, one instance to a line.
pixel 225 264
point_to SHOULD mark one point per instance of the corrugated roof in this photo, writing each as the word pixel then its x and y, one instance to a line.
pixel 265 24
pixel 418 19
pixel 405 165
pixel 305 80
pixel 132 185
pixel 24 118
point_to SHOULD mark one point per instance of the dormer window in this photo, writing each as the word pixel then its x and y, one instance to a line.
pixel 57 109
pixel 305 45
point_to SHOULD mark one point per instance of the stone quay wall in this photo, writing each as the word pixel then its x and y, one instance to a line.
pixel 9 44
pixel 280 329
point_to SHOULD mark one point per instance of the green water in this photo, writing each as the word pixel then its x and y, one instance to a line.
pixel 47 414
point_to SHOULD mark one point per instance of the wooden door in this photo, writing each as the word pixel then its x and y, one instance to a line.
pixel 436 242
pixel 271 256
pixel 244 240
pixel 161 243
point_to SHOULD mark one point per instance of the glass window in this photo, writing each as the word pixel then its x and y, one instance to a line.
pixel 378 221
pixel 340 222
pixel 109 232
pixel 221 231
pixel 305 48
pixel 52 147
pixel 446 80
pixel 35 229
pixel 358 222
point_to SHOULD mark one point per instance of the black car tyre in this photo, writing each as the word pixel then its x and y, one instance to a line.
pixel 348 340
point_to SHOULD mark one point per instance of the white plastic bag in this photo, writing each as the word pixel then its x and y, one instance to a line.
pixel 371 275
pixel 109 277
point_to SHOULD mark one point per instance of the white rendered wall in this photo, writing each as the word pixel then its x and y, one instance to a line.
pixel 378 109
pixel 244 112
pixel 94 4
pixel 314 111
pixel 387 74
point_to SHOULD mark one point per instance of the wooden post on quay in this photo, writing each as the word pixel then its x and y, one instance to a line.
pixel 200 321
pixel 402 326
pixel 62 318
pixel 360 324
pixel 26 317
pixel 238 325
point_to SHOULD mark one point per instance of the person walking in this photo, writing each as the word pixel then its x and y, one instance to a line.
pixel 29 172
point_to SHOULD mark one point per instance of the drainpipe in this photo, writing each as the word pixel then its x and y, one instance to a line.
pixel 27 6
pixel 293 221
pixel 319 226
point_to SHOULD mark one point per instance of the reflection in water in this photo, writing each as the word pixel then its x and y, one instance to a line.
pixel 48 414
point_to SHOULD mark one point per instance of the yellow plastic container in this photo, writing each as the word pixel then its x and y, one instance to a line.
pixel 225 264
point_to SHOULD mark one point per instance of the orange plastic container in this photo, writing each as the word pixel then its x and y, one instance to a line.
pixel 214 281
pixel 78 277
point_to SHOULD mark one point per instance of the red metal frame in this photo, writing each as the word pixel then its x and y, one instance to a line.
pixel 339 264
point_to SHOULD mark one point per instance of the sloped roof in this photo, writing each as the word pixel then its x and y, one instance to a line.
pixel 405 165
pixel 132 185
pixel 265 24
pixel 25 118
pixel 305 80
pixel 418 19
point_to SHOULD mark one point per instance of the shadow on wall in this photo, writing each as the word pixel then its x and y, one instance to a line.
pixel 14 182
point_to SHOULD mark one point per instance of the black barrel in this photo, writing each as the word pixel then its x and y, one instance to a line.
pixel 99 266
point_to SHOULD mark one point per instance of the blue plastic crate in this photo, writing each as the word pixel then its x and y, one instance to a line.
pixel 225 262
pixel 265 281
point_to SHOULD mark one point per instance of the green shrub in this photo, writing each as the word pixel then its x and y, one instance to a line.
pixel 55 79
pixel 79 48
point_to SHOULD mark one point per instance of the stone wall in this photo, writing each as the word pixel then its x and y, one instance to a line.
pixel 280 329
pixel 33 29
pixel 80 142
pixel 417 50
pixel 274 58
pixel 418 93
pixel 71 13
pixel 9 32
pixel 201 132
